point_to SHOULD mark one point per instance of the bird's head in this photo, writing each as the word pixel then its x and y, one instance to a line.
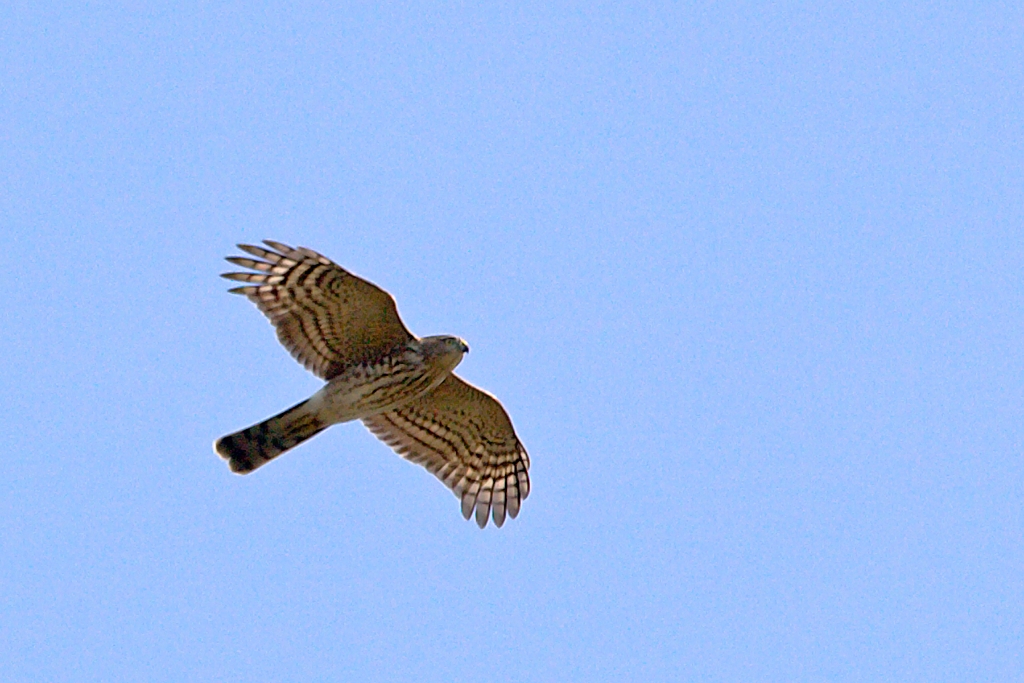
pixel 445 350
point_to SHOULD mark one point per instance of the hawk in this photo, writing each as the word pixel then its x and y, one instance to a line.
pixel 346 331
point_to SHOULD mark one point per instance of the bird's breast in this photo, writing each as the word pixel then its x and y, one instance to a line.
pixel 370 388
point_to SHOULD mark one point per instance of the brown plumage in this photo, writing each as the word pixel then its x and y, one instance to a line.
pixel 347 331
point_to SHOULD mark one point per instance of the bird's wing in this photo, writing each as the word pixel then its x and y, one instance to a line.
pixel 465 438
pixel 325 316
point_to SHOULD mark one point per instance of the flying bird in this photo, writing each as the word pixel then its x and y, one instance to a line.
pixel 346 330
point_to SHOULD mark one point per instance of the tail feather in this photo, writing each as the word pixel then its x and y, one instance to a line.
pixel 259 444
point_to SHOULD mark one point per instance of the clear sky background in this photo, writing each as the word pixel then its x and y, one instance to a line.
pixel 748 279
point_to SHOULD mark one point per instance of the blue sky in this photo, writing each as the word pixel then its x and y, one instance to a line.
pixel 747 278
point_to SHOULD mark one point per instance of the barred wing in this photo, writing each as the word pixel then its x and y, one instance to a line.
pixel 325 316
pixel 465 438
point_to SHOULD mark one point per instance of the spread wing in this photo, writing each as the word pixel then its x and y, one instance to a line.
pixel 465 438
pixel 324 315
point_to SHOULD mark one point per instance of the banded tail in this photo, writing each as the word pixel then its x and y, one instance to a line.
pixel 259 444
